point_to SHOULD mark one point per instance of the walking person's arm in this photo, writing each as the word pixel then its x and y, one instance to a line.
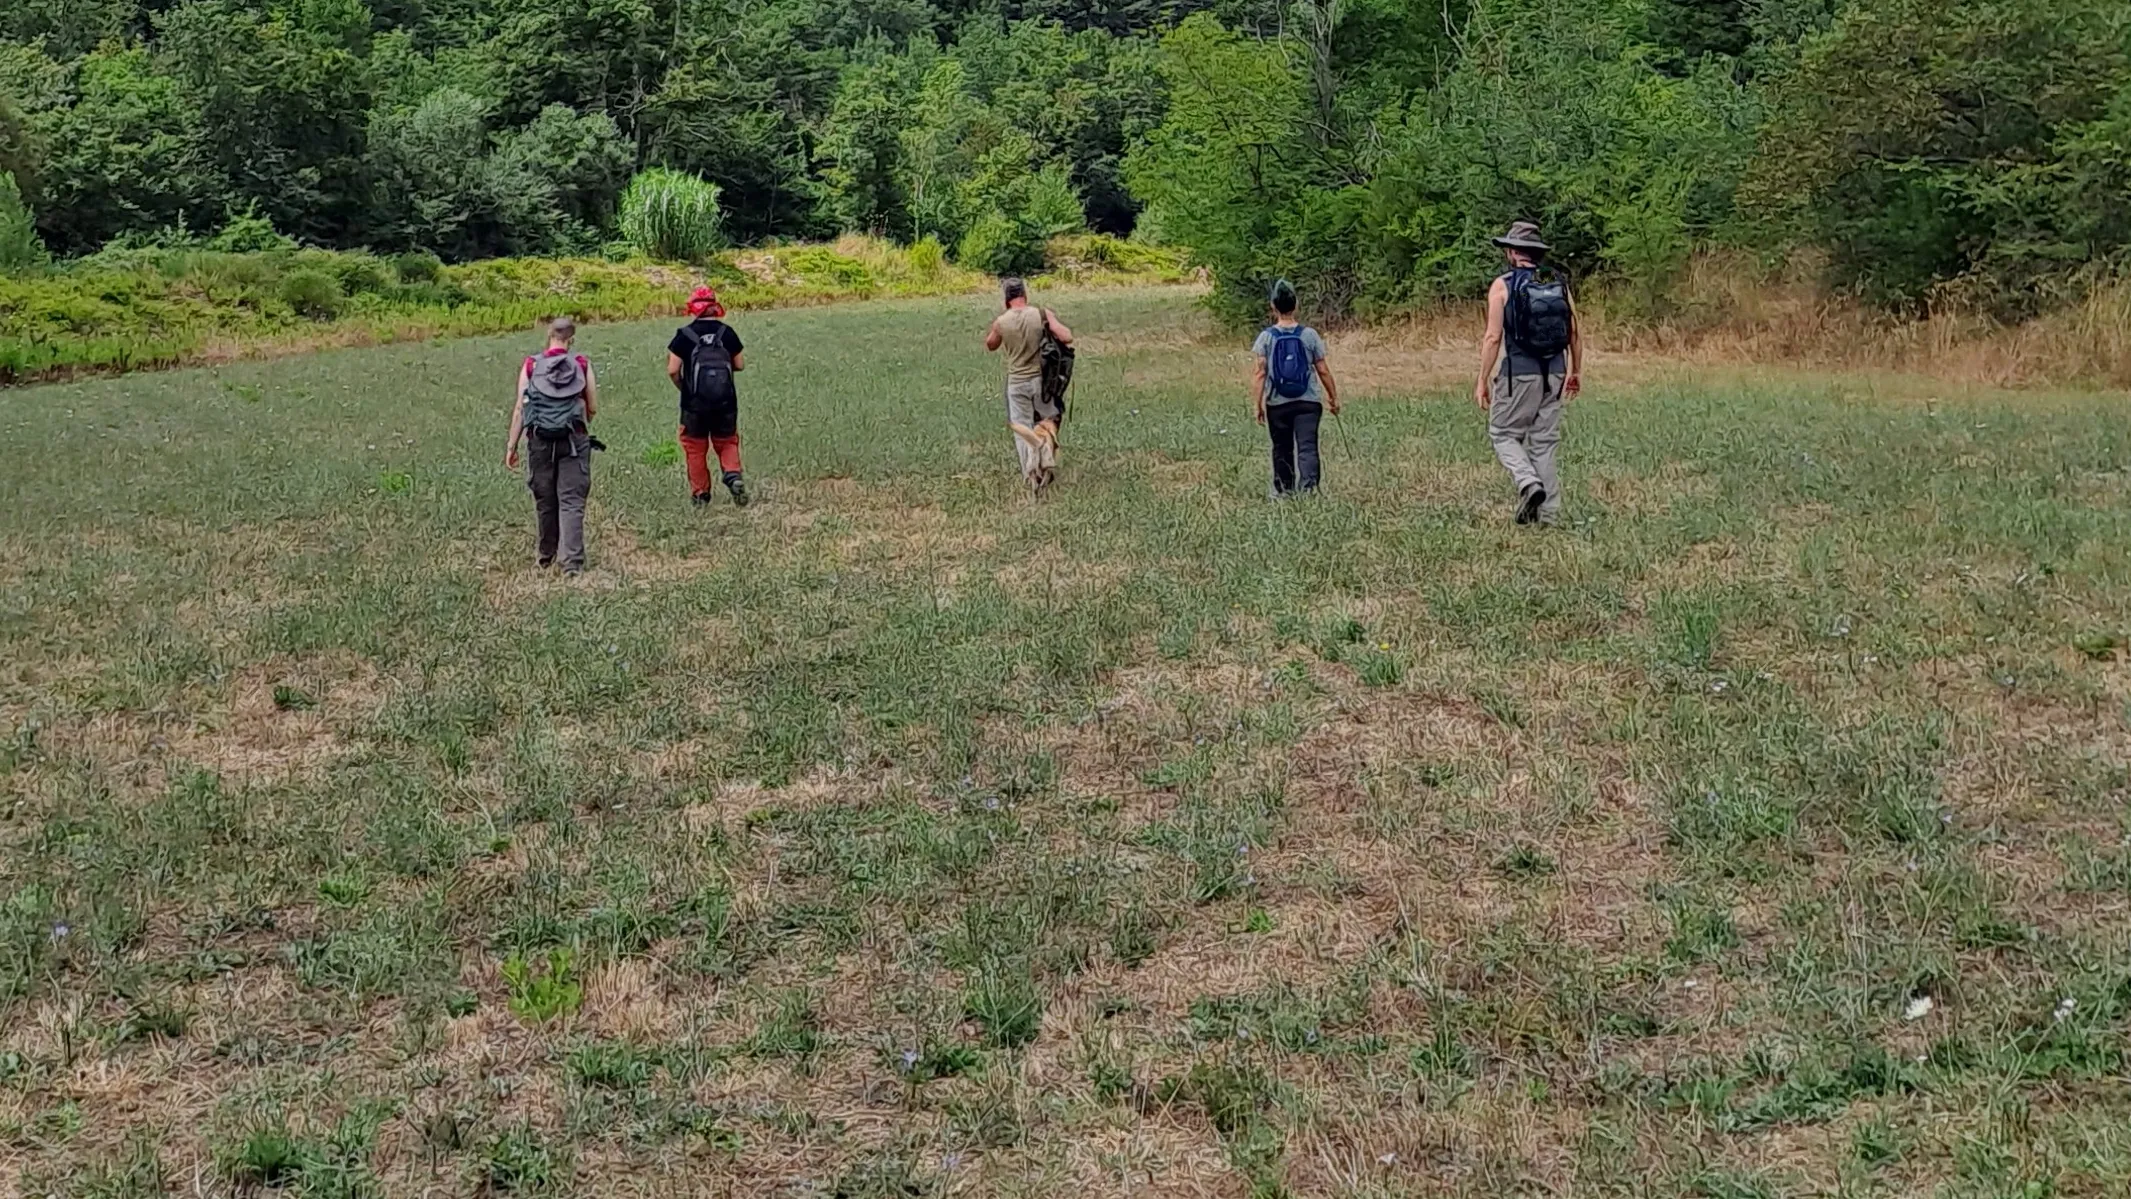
pixel 510 446
pixel 1058 328
pixel 1574 383
pixel 591 393
pixel 1490 342
pixel 1257 387
pixel 1331 386
pixel 992 338
pixel 673 367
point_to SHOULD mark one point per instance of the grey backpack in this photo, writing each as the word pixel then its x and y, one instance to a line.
pixel 554 395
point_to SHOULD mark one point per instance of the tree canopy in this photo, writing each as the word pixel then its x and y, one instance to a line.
pixel 1365 148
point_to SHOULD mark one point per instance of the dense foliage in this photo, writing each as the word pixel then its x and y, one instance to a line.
pixel 1922 150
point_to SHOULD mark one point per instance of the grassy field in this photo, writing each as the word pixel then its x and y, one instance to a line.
pixel 1762 832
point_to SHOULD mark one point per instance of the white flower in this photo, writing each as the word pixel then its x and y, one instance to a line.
pixel 2064 1008
pixel 1919 1007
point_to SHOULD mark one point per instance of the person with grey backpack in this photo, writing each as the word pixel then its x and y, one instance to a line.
pixel 1531 364
pixel 557 398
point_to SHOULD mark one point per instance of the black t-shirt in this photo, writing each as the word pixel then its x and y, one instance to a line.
pixel 704 326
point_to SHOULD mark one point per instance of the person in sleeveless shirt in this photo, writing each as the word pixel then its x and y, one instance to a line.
pixel 1019 331
pixel 1522 394
pixel 558 465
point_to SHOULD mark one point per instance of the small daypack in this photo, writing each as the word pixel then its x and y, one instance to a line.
pixel 1057 359
pixel 554 395
pixel 1288 363
pixel 707 381
pixel 1539 319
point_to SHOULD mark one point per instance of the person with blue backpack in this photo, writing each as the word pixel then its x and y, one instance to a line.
pixel 1292 387
pixel 1531 363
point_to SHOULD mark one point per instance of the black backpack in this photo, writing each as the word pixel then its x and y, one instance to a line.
pixel 1057 375
pixel 707 379
pixel 1540 321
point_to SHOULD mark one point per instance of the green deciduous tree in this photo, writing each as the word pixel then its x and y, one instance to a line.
pixel 20 248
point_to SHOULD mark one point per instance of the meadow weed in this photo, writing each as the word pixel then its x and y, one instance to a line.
pixel 902 834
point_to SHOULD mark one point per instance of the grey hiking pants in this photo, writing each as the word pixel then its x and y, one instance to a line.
pixel 560 474
pixel 1524 422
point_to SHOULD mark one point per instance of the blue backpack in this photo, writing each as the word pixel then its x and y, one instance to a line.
pixel 1288 363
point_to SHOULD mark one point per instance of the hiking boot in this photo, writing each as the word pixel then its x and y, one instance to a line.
pixel 1529 503
pixel 543 563
pixel 738 486
pixel 700 498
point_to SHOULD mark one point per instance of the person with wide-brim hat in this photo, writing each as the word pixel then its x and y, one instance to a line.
pixel 1531 365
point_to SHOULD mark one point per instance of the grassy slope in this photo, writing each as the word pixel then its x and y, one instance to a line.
pixel 912 837
pixel 154 309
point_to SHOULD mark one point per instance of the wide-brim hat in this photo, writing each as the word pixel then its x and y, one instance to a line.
pixel 1523 235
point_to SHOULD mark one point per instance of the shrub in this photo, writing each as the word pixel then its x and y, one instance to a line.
pixel 248 234
pixel 672 215
pixel 312 293
pixel 360 273
pixel 819 264
pixel 928 257
pixel 1000 245
pixel 419 266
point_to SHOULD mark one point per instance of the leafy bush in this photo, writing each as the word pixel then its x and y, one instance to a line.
pixel 672 215
pixel 360 274
pixel 312 293
pixel 927 257
pixel 1000 245
pixel 820 264
pixel 417 266
pixel 249 233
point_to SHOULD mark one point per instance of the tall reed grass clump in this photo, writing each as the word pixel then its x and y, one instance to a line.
pixel 672 215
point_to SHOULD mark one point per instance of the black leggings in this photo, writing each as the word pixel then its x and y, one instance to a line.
pixel 1294 429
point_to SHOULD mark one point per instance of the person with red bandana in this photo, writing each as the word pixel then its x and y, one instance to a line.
pixel 702 359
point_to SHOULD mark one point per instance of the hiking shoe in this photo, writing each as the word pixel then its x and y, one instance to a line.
pixel 738 486
pixel 700 498
pixel 1529 503
pixel 543 563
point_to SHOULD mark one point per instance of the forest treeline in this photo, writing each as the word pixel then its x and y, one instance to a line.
pixel 1916 152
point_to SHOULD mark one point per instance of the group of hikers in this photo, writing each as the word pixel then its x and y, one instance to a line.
pixel 1531 360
